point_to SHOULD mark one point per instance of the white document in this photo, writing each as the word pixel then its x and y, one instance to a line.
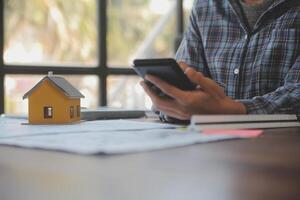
pixel 114 142
pixel 10 127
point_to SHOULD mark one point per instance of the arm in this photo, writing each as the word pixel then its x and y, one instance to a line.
pixel 209 98
pixel 191 51
pixel 286 99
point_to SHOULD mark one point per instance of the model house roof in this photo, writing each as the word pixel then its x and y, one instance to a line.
pixel 60 83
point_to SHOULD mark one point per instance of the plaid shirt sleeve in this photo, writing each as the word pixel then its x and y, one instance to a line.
pixel 191 49
pixel 285 99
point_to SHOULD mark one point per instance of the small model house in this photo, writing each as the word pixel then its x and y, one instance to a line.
pixel 53 100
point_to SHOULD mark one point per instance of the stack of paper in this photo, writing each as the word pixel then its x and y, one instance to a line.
pixel 100 137
pixel 10 127
pixel 114 142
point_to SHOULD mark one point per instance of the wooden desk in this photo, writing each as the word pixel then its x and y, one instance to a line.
pixel 264 168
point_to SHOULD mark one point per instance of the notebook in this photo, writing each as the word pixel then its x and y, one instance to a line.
pixel 210 122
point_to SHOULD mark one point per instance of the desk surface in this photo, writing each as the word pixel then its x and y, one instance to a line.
pixel 263 168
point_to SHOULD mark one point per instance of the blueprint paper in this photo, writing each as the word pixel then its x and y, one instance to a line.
pixel 114 142
pixel 10 127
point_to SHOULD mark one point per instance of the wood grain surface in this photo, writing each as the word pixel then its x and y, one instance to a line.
pixel 264 168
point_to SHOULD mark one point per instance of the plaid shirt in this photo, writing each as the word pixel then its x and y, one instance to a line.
pixel 259 67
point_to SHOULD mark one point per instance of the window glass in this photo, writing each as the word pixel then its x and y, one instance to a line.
pixel 55 32
pixel 48 112
pixel 140 29
pixel 125 92
pixel 17 85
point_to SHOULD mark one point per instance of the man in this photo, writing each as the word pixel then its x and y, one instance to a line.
pixel 243 54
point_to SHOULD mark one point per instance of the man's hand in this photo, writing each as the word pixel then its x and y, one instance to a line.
pixel 209 98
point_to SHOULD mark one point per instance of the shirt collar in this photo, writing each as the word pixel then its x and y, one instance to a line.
pixel 238 12
pixel 276 3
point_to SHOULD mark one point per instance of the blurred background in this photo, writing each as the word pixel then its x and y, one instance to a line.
pixel 91 43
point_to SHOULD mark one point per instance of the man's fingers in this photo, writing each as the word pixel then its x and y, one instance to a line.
pixel 149 92
pixel 183 65
pixel 156 100
pixel 168 106
pixel 170 113
pixel 206 84
pixel 167 88
pixel 173 110
pixel 194 76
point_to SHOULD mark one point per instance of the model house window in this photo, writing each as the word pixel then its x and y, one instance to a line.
pixel 72 112
pixel 78 111
pixel 48 112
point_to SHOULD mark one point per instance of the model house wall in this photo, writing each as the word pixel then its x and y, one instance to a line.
pixel 48 103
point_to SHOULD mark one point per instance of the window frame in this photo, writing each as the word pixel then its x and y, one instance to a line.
pixel 78 111
pixel 48 112
pixel 72 112
pixel 102 70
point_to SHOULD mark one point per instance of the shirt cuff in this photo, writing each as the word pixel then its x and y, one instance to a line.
pixel 252 107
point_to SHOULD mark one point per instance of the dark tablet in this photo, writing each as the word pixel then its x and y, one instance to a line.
pixel 165 69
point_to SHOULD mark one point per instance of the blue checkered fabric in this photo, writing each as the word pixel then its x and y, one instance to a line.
pixel 259 67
